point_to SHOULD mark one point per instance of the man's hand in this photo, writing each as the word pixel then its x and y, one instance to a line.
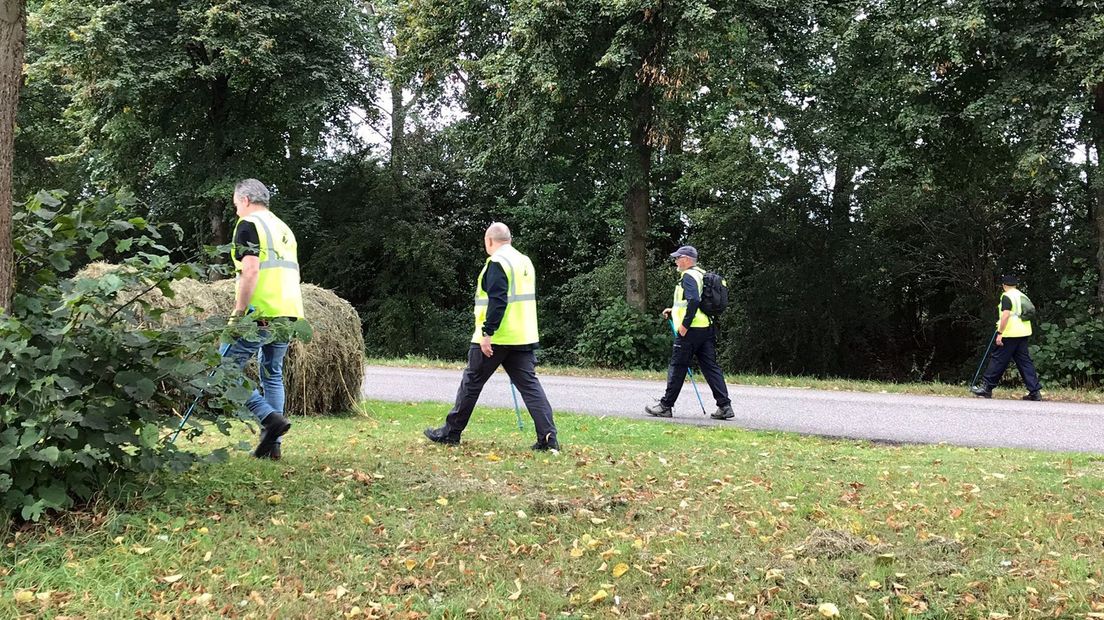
pixel 485 346
pixel 666 313
pixel 1000 340
pixel 682 330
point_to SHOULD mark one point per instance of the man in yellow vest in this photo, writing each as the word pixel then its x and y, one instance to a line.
pixel 505 335
pixel 696 338
pixel 264 253
pixel 1013 334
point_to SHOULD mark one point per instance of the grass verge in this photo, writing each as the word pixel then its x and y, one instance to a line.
pixel 366 519
pixel 845 385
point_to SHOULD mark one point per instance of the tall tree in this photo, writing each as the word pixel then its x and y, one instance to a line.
pixel 178 99
pixel 12 29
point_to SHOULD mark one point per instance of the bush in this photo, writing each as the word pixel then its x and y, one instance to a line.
pixel 90 385
pixel 1071 343
pixel 624 338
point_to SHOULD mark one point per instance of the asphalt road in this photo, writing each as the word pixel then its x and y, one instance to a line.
pixel 895 418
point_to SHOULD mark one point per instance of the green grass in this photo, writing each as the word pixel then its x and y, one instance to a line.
pixel 364 518
pixel 1060 394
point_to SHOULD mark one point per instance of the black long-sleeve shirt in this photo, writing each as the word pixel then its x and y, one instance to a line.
pixel 693 298
pixel 497 287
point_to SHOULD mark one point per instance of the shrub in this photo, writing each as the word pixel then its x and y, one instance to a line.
pixel 621 337
pixel 90 382
pixel 1070 348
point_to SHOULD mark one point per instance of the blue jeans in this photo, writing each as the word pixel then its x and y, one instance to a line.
pixel 270 369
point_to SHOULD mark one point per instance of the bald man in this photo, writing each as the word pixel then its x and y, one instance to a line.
pixel 505 335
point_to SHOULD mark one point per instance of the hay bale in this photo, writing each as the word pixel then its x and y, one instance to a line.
pixel 322 376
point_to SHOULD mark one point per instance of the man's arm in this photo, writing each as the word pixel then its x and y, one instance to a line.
pixel 1006 313
pixel 693 299
pixel 247 283
pixel 247 250
pixel 497 287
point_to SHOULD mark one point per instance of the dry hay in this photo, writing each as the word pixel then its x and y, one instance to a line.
pixel 322 376
pixel 831 544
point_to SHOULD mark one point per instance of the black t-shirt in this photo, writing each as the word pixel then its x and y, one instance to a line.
pixel 1006 303
pixel 246 240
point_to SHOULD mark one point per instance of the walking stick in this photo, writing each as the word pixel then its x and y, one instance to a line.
pixel 222 352
pixel 517 410
pixel 688 370
pixel 983 359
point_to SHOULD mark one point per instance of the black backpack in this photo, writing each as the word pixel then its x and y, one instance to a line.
pixel 714 295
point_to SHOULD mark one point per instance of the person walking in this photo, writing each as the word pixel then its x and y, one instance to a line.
pixel 264 252
pixel 1013 335
pixel 696 337
pixel 505 335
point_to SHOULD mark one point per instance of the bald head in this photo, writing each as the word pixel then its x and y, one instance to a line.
pixel 498 235
pixel 498 232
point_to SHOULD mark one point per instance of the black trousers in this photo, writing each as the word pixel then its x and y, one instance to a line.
pixel 521 366
pixel 1014 349
pixel 700 342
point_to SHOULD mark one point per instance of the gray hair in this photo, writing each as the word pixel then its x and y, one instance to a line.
pixel 253 190
pixel 499 232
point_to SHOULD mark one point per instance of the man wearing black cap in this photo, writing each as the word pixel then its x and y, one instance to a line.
pixel 1013 333
pixel 696 337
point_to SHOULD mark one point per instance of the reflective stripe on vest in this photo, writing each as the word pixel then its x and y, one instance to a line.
pixel 679 306
pixel 1016 327
pixel 519 323
pixel 278 291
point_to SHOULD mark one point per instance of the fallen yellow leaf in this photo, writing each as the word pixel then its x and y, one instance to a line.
pixel 24 596
pixel 442 501
pixel 275 499
pixel 828 610
pixel 172 578
pixel 410 564
pixel 141 550
pixel 368 520
pixel 620 569
pixel 600 595
pixel 576 552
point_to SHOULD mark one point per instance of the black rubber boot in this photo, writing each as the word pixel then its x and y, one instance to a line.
pixel 273 427
pixel 439 435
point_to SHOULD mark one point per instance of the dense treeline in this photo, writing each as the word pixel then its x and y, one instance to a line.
pixel 860 171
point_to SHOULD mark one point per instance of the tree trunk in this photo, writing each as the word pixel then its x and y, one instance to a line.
pixel 398 134
pixel 638 200
pixel 12 31
pixel 1097 130
pixel 840 216
pixel 217 218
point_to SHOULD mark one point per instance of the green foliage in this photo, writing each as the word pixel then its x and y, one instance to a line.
pixel 621 337
pixel 178 100
pixel 1071 349
pixel 90 381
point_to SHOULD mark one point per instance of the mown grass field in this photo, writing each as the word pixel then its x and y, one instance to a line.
pixel 1011 389
pixel 365 519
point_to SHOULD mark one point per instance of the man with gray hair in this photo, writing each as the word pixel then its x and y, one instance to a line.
pixel 505 335
pixel 265 256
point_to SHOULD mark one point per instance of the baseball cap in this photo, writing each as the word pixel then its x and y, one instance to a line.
pixel 686 250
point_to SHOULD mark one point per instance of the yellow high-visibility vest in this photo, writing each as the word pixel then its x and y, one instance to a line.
pixel 1016 327
pixel 277 293
pixel 678 308
pixel 519 324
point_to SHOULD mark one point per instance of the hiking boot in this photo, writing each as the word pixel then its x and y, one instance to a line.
pixel 982 392
pixel 440 435
pixel 1035 396
pixel 723 413
pixel 548 443
pixel 274 453
pixel 659 410
pixel 272 428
